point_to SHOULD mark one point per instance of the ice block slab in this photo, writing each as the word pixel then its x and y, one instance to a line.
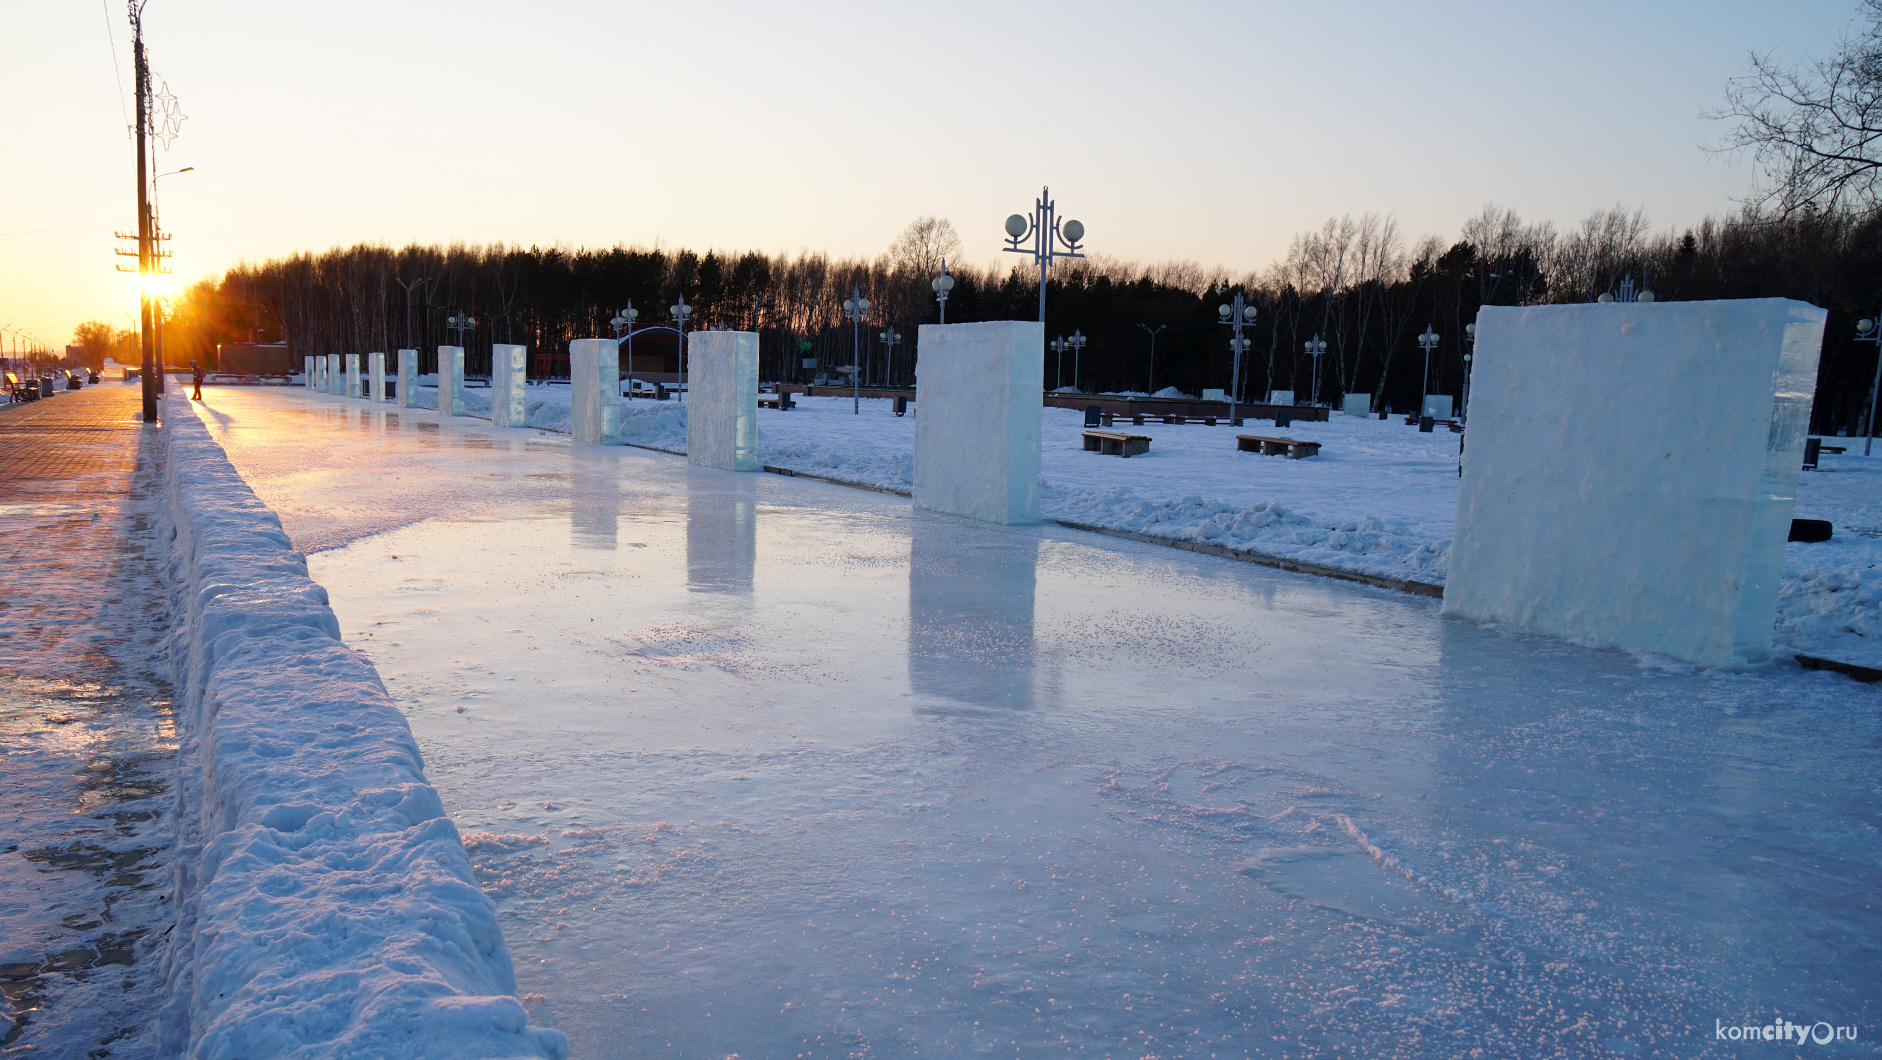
pixel 1356 405
pixel 1437 406
pixel 1631 472
pixel 722 400
pixel 978 418
pixel 1280 397
pixel 335 374
pixel 408 379
pixel 309 378
pixel 450 380
pixel 595 391
pixel 507 407
pixel 352 375
pixel 376 377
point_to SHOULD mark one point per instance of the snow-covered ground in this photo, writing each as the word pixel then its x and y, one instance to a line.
pixel 1379 499
pixel 764 766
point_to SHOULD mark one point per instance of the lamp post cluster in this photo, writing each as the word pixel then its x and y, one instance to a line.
pixel 623 325
pixel 1315 348
pixel 1075 343
pixel 681 311
pixel 891 338
pixel 1426 342
pixel 941 285
pixel 1237 314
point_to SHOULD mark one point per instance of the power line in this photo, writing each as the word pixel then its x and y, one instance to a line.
pixel 115 70
pixel 69 228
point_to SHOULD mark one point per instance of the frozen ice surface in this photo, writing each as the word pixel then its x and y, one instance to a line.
pixel 507 389
pixel 451 380
pixel 977 427
pixel 1650 516
pixel 722 400
pixel 408 380
pixel 595 391
pixel 766 766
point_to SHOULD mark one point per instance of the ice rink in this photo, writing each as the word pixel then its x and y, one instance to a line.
pixel 769 767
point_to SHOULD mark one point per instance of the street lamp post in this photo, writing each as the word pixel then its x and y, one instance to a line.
pixel 462 323
pixel 1058 351
pixel 890 339
pixel 1315 347
pixel 623 324
pixel 1470 350
pixel 1237 314
pixel 681 311
pixel 1426 342
pixel 856 307
pixel 1866 331
pixel 1077 343
pixel 1150 385
pixel 941 285
pixel 1047 233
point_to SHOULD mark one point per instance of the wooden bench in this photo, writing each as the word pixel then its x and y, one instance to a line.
pixel 774 401
pixel 19 391
pixel 1170 418
pixel 1266 446
pixel 1116 443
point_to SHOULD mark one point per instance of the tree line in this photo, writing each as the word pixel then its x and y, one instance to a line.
pixel 1358 284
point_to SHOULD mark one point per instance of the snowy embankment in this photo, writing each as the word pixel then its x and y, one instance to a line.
pixel 325 905
pixel 1380 500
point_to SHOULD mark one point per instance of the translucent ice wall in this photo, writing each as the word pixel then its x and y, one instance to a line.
pixel 595 391
pixel 375 377
pixel 722 400
pixel 352 375
pixel 308 378
pixel 408 379
pixel 451 380
pixel 1631 470
pixel 978 417
pixel 334 373
pixel 506 384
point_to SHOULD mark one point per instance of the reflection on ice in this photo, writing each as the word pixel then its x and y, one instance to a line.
pixel 721 533
pixel 970 613
pixel 594 502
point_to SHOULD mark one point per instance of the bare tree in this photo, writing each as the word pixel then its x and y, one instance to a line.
pixel 921 246
pixel 1815 130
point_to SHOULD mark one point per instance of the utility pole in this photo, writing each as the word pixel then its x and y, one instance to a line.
pixel 147 333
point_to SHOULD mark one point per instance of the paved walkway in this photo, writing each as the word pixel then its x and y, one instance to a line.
pixel 85 728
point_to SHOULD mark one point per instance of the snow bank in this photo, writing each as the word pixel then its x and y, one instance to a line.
pixel 325 906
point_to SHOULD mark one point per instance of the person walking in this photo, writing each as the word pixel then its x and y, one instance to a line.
pixel 196 373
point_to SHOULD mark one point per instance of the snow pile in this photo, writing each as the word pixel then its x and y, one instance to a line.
pixel 1362 546
pixel 1172 392
pixel 325 906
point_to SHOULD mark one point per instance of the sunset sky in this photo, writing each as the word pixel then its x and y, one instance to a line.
pixel 1204 131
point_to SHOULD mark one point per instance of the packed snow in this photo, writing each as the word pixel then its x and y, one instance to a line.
pixel 323 902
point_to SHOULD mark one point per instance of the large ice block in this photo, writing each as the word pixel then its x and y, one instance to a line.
pixel 1631 472
pixel 1356 405
pixel 1280 397
pixel 408 379
pixel 506 384
pixel 978 394
pixel 375 377
pixel 722 400
pixel 335 374
pixel 1437 406
pixel 595 391
pixel 352 375
pixel 309 379
pixel 450 380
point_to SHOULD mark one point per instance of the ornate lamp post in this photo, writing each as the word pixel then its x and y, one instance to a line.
pixel 1058 350
pixel 856 307
pixel 1042 226
pixel 1315 347
pixel 890 339
pixel 1237 314
pixel 1866 331
pixel 1470 350
pixel 941 285
pixel 1426 342
pixel 1077 344
pixel 623 325
pixel 681 311
pixel 1150 385
pixel 462 323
